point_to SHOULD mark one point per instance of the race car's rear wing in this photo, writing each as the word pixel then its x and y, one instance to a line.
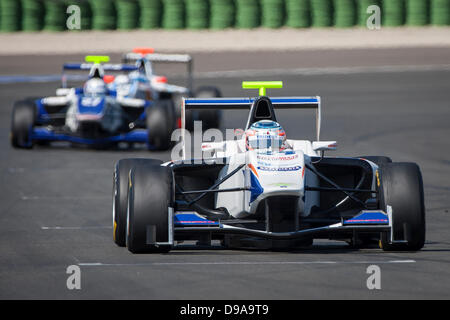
pixel 92 67
pixel 249 104
pixel 162 58
pixel 106 67
pixel 159 57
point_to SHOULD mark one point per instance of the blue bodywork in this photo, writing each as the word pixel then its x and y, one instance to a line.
pixel 42 132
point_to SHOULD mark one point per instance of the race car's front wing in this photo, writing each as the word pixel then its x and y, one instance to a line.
pixel 44 134
pixel 367 221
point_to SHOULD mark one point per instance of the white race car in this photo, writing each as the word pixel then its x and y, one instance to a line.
pixel 146 84
pixel 267 191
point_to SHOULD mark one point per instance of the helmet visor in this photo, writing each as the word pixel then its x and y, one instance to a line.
pixel 265 142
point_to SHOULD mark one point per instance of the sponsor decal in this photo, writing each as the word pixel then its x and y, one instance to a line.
pixel 280 169
pixel 278 158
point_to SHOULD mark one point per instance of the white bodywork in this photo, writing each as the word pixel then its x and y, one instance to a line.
pixel 152 82
pixel 266 174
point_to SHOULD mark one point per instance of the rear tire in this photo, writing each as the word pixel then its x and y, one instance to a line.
pixel 23 119
pixel 210 118
pixel 402 189
pixel 120 195
pixel 160 124
pixel 150 195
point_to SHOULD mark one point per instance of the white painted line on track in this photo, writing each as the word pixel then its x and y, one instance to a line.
pixel 322 71
pixel 76 228
pixel 263 72
pixel 99 264
pixel 31 198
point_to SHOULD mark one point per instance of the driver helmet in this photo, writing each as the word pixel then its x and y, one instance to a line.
pixel 265 135
pixel 138 76
pixel 94 87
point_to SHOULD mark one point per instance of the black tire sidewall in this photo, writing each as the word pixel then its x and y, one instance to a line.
pixel 120 195
pixel 22 123
pixel 402 188
pixel 149 197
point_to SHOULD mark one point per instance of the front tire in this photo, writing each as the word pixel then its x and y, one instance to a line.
pixel 23 119
pixel 120 195
pixel 150 195
pixel 402 189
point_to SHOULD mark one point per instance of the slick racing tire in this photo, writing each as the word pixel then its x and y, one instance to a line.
pixel 150 195
pixel 160 120
pixel 401 187
pixel 120 194
pixel 23 119
pixel 378 160
pixel 210 118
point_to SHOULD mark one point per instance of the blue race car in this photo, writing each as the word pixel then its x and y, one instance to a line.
pixel 95 115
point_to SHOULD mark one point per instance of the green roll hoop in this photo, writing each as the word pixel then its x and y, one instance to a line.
pixel 262 85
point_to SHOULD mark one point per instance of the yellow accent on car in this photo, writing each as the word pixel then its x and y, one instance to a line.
pixel 114 231
pixel 97 59
pixel 129 180
pixel 378 178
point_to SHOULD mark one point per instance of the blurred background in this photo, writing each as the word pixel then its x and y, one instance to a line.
pixel 50 15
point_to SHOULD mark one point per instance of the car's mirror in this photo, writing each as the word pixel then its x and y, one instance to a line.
pixel 213 146
pixel 324 145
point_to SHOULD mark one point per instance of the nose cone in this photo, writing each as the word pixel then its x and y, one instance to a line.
pixel 280 172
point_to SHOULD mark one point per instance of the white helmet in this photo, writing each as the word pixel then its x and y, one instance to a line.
pixel 265 134
pixel 95 87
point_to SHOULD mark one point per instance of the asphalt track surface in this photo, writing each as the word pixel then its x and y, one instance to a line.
pixel 56 206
